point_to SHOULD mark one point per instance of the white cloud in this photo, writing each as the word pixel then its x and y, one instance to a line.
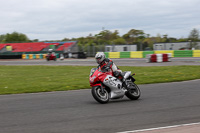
pixel 51 20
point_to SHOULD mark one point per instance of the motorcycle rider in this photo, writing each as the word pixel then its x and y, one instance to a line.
pixel 50 51
pixel 106 64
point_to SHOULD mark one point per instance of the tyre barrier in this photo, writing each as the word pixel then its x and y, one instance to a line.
pixel 158 57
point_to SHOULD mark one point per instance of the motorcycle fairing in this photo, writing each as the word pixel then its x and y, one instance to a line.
pixel 97 77
pixel 115 85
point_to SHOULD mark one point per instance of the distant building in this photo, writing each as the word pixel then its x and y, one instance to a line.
pixel 174 46
pixel 120 48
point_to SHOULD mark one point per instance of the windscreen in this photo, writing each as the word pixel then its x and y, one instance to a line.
pixel 92 71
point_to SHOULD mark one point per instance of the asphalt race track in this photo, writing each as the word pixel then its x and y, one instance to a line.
pixel 91 62
pixel 160 105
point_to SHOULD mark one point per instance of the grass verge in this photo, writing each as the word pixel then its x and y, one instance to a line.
pixel 28 79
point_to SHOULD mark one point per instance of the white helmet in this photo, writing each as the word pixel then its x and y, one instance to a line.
pixel 100 56
pixel 50 50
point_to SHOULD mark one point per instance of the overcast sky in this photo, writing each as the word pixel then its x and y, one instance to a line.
pixel 58 19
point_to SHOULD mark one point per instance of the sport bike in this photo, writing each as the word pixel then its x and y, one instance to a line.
pixel 105 86
pixel 51 56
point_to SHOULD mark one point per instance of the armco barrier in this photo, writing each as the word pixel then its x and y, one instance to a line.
pixel 183 53
pixel 44 56
pixel 27 56
pixel 23 56
pixel 142 54
pixel 130 54
pixel 124 54
pixel 147 52
pixel 107 54
pixel 137 54
pixel 34 56
pixel 114 55
pixel 196 53
pixel 30 56
pixel 41 56
pixel 37 56
pixel 164 52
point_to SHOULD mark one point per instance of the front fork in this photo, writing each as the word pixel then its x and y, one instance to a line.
pixel 102 89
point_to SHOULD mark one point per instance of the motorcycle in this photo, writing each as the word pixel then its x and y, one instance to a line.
pixel 51 56
pixel 105 86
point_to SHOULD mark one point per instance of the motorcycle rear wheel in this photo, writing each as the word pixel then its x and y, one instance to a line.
pixel 133 93
pixel 99 96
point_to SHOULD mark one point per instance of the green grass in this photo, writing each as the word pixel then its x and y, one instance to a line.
pixel 27 79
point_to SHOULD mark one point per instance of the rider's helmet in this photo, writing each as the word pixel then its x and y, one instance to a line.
pixel 99 57
pixel 50 50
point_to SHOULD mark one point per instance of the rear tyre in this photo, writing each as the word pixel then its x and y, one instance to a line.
pixel 133 92
pixel 99 96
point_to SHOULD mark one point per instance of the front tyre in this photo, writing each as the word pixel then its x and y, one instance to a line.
pixel 99 96
pixel 133 92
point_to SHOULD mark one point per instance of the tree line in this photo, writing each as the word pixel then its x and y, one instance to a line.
pixel 107 37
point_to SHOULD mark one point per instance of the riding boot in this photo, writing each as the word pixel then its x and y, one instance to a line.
pixel 121 77
pixel 124 83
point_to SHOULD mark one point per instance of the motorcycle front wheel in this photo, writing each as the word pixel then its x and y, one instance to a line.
pixel 133 92
pixel 99 96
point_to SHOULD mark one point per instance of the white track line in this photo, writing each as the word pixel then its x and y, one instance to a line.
pixel 151 129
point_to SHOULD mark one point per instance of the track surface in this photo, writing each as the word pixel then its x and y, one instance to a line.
pixel 91 62
pixel 161 105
